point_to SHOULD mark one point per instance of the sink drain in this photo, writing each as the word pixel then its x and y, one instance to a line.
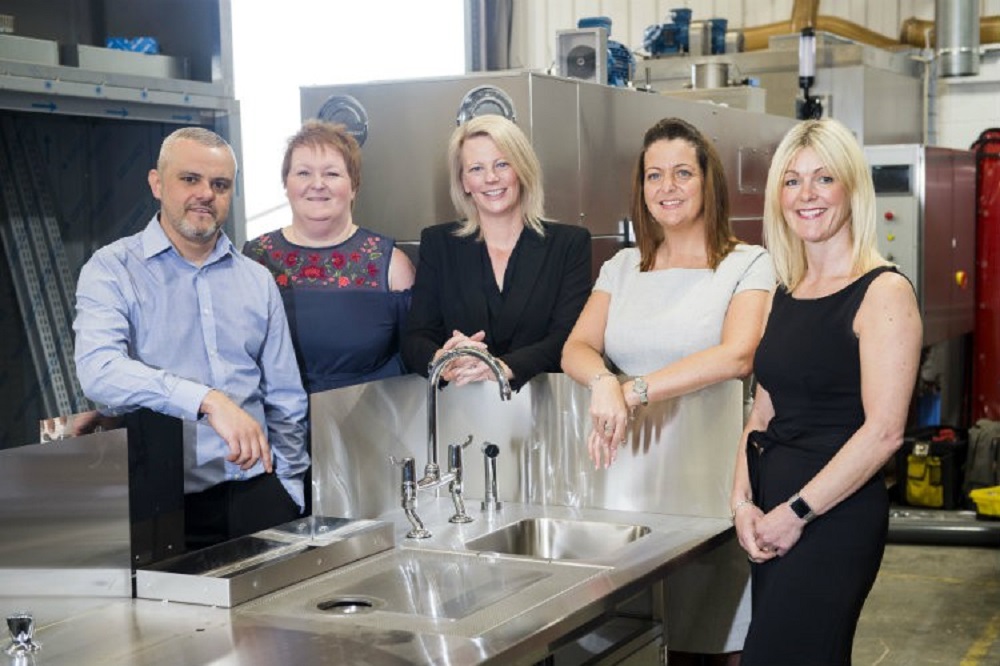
pixel 349 605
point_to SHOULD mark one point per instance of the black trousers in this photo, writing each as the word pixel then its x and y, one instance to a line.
pixel 236 508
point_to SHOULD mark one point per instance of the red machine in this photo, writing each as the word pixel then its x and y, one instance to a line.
pixel 986 338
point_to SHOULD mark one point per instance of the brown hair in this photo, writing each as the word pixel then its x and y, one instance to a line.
pixel 319 134
pixel 719 237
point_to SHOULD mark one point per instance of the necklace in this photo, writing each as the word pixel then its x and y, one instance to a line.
pixel 293 235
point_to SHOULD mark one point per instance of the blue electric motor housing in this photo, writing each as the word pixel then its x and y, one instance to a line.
pixel 621 62
pixel 670 38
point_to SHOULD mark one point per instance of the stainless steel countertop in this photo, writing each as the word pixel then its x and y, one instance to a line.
pixel 442 610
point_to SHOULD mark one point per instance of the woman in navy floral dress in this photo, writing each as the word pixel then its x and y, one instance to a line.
pixel 345 288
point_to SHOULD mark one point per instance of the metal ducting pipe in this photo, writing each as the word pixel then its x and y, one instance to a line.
pixel 488 29
pixel 757 39
pixel 957 37
pixel 920 32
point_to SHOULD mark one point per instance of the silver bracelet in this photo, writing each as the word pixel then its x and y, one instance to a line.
pixel 739 505
pixel 599 376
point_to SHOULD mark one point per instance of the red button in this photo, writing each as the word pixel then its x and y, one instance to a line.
pixel 889 215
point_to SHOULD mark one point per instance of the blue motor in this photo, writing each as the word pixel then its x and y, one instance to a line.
pixel 621 62
pixel 670 38
pixel 718 26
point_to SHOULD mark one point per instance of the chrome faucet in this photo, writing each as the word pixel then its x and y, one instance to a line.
pixel 432 472
pixel 408 492
pixel 456 487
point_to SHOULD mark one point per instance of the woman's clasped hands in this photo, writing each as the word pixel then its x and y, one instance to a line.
pixel 766 536
pixel 467 369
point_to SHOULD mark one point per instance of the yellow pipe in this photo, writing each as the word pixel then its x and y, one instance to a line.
pixel 805 13
pixel 756 39
pixel 920 33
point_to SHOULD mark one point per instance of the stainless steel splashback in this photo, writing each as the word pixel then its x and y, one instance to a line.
pixel 586 135
pixel 65 519
pixel 672 463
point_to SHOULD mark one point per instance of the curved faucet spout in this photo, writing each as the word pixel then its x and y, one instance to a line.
pixel 432 472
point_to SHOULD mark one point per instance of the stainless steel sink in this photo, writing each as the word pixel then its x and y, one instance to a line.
pixel 551 539
pixel 424 591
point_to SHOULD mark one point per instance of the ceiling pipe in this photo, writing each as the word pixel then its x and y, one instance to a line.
pixel 805 13
pixel 920 32
pixel 957 47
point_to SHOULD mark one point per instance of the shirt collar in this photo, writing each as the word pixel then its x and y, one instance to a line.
pixel 155 241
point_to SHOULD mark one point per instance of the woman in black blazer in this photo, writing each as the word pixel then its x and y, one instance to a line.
pixel 500 279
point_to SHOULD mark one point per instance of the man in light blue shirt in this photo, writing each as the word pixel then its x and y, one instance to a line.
pixel 175 319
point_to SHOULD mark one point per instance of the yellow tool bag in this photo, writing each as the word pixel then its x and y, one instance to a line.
pixel 929 467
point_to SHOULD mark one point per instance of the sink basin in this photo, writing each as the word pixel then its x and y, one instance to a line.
pixel 551 539
pixel 422 592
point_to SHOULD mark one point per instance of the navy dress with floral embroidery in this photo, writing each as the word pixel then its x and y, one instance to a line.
pixel 345 322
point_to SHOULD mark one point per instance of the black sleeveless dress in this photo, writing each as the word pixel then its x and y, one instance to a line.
pixel 806 604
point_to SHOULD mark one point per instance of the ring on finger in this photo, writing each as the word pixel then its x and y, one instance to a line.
pixel 608 428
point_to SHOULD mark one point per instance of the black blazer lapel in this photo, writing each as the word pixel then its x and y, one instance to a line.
pixel 530 265
pixel 469 282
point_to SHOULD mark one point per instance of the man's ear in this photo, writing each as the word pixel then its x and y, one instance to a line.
pixel 154 182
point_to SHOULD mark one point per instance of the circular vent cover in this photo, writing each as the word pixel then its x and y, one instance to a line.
pixel 483 101
pixel 347 111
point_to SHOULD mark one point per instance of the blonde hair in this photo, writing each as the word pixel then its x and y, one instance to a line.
pixel 840 153
pixel 514 146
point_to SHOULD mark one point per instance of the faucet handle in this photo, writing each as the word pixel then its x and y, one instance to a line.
pixel 409 468
pixel 490 450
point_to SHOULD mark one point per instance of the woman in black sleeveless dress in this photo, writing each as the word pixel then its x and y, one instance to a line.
pixel 836 369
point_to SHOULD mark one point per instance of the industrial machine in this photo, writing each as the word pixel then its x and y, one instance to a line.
pixel 587 137
pixel 875 92
pixel 926 207
pixel 926 223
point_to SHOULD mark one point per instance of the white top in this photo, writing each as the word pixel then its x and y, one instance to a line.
pixel 688 443
pixel 659 317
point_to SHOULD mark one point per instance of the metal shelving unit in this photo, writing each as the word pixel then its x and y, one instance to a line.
pixel 80 126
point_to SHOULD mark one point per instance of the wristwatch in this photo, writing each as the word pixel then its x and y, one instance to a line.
pixel 641 388
pixel 801 508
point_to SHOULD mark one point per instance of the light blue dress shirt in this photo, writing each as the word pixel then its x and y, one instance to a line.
pixel 154 330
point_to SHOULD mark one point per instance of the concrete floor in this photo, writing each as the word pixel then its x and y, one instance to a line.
pixel 932 605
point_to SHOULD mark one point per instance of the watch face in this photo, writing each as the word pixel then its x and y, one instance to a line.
pixel 801 509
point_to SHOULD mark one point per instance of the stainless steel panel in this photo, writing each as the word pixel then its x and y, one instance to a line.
pixel 930 232
pixel 117 61
pixel 64 511
pixel 249 567
pixel 586 135
pixel 404 170
pixel 512 623
pixel 555 134
pixel 29 50
pixel 541 432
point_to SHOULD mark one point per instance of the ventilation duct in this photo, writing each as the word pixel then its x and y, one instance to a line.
pixel 957 37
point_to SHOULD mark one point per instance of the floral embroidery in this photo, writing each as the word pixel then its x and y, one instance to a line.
pixel 354 264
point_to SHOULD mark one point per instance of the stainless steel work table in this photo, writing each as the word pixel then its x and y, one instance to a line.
pixel 451 605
